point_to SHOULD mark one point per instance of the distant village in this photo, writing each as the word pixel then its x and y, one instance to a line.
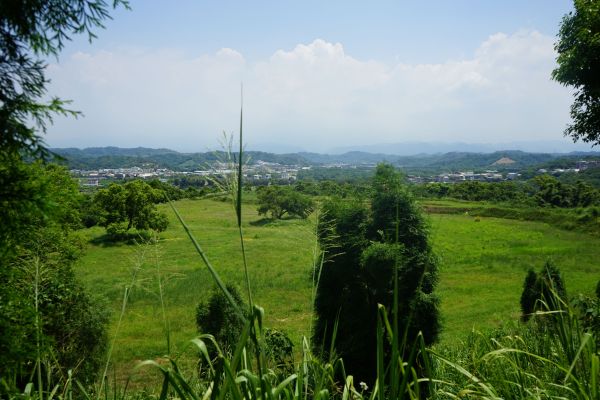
pixel 259 172
pixel 262 172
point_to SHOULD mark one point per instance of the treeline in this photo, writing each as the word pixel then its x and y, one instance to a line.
pixel 543 190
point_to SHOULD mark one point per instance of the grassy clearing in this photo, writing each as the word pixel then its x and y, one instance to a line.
pixel 280 263
pixel 484 262
pixel 575 219
pixel 482 267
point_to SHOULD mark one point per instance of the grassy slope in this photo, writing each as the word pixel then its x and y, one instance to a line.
pixel 482 270
pixel 483 265
pixel 280 264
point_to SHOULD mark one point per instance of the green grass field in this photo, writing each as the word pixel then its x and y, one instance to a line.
pixel 483 264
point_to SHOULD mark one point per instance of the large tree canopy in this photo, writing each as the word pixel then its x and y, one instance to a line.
pixel 578 49
pixel 131 205
pixel 281 200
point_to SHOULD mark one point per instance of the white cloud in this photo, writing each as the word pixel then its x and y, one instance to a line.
pixel 315 96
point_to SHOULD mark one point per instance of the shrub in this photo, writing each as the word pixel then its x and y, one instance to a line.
pixel 364 249
pixel 529 295
pixel 280 351
pixel 217 316
pixel 72 324
pixel 544 291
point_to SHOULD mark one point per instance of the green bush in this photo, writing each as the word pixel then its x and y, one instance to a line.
pixel 364 249
pixel 544 291
pixel 217 317
pixel 50 301
pixel 279 349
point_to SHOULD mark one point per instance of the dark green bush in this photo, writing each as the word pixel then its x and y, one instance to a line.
pixel 218 317
pixel 364 248
pixel 529 296
pixel 279 350
pixel 544 291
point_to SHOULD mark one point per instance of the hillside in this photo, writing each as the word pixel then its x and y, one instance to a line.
pixel 114 157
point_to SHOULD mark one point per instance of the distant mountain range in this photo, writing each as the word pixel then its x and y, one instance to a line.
pixel 115 157
pixel 412 148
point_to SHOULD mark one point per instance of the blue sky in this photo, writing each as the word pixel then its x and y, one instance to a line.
pixel 317 75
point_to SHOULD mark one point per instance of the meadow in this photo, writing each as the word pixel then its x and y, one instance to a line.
pixel 483 263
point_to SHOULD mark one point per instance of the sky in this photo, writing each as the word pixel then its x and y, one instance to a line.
pixel 316 75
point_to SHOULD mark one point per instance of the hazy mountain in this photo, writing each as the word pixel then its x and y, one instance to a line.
pixel 412 148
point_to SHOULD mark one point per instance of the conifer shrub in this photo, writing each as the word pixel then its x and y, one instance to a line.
pixel 529 296
pixel 219 318
pixel 543 291
pixel 364 248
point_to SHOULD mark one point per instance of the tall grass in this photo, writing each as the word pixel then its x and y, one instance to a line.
pixel 549 357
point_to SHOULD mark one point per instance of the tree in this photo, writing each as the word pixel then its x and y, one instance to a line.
pixel 281 200
pixel 363 250
pixel 542 291
pixel 578 49
pixel 529 296
pixel 28 30
pixel 130 206
pixel 551 192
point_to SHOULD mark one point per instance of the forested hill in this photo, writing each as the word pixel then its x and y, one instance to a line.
pixel 452 160
pixel 114 157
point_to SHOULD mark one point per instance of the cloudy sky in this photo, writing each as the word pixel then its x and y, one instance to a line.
pixel 316 74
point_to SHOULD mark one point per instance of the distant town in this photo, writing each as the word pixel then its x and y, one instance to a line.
pixel 263 172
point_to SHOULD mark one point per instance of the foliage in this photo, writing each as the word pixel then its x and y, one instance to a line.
pixel 529 296
pixel 131 205
pixel 544 291
pixel 542 190
pixel 168 191
pixel 365 249
pixel 29 30
pixel 279 349
pixel 578 47
pixel 281 200
pixel 219 318
pixel 39 203
pixel 71 332
pixel 34 195
pixel 588 310
pixel 73 324
pixel 534 361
